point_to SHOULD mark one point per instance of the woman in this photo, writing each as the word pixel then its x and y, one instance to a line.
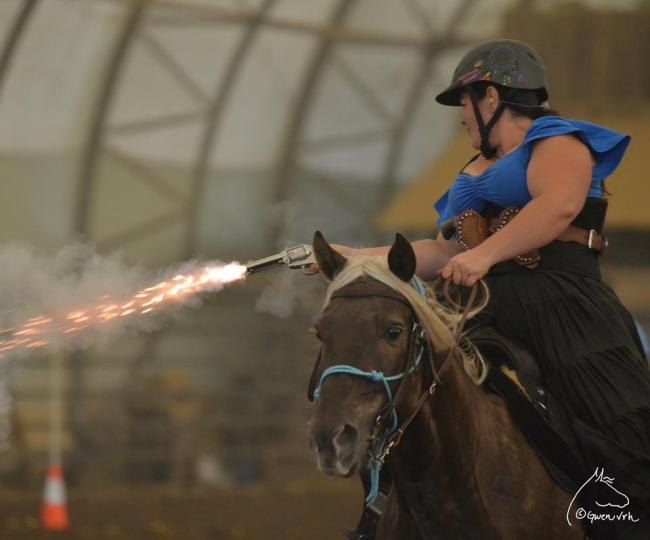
pixel 552 169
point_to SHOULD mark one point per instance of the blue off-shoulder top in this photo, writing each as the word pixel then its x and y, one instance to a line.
pixel 504 183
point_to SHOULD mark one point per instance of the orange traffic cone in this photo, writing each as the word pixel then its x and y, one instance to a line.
pixel 54 512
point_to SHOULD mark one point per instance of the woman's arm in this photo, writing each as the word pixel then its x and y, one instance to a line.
pixel 430 254
pixel 559 175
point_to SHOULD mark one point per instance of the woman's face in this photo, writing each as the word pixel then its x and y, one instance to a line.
pixel 469 118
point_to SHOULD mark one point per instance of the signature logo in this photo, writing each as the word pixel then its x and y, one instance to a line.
pixel 609 502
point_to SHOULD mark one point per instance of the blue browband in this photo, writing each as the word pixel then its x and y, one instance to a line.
pixel 376 454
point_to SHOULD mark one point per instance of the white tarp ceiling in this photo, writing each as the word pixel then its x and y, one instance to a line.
pixel 208 93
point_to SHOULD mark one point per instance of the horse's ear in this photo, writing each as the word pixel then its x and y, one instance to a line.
pixel 401 258
pixel 329 262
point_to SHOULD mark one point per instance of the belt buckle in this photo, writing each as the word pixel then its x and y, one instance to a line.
pixel 590 240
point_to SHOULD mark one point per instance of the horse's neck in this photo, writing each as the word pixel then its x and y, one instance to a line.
pixel 434 466
pixel 450 423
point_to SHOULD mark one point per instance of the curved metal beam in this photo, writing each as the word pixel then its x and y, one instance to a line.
pixel 286 165
pixel 93 146
pixel 186 12
pixel 13 38
pixel 214 116
pixel 174 68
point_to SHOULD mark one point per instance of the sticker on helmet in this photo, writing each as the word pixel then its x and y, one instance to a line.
pixel 498 64
pixel 502 58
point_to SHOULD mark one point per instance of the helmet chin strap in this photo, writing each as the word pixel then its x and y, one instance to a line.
pixel 483 128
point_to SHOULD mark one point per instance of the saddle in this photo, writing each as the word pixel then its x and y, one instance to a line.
pixel 513 360
pixel 514 374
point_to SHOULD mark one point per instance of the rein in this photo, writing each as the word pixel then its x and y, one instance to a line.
pixel 381 446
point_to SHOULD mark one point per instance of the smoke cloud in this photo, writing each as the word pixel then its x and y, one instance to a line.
pixel 289 292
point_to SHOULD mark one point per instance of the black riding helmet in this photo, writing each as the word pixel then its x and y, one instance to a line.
pixel 502 62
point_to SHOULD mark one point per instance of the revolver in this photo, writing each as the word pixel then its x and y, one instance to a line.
pixel 300 256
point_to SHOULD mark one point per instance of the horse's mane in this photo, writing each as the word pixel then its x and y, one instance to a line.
pixel 439 321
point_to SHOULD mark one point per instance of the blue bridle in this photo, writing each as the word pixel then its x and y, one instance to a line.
pixel 378 452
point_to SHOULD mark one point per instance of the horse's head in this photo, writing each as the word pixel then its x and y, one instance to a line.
pixel 367 326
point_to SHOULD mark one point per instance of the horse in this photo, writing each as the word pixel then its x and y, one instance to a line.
pixel 460 467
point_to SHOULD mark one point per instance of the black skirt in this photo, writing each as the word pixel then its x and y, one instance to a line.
pixel 595 372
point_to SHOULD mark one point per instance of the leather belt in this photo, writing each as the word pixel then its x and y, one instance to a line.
pixel 587 237
pixel 590 238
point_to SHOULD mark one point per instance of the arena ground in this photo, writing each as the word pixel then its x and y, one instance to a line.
pixel 302 510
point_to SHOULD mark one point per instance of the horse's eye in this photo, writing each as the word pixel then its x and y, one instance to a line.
pixel 393 333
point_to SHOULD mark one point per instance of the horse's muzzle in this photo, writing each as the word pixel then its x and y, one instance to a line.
pixel 335 448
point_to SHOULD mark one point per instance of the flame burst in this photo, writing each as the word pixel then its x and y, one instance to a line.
pixel 38 331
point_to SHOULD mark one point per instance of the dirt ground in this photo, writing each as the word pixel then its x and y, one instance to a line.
pixel 306 510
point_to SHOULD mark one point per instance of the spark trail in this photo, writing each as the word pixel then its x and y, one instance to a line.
pixel 59 329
